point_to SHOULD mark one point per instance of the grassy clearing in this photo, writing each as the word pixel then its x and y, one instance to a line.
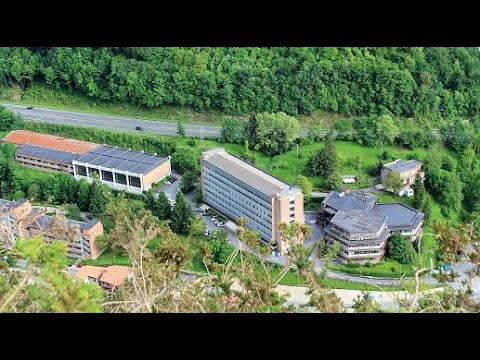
pixel 107 259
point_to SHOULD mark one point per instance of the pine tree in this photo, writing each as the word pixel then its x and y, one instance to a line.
pixel 100 196
pixel 419 193
pixel 182 215
pixel 162 208
pixel 180 129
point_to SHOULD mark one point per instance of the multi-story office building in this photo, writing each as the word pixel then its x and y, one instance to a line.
pixel 238 189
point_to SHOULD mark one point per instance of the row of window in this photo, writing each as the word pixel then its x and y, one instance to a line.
pixel 240 188
pixel 236 212
pixel 237 182
pixel 107 176
pixel 230 202
pixel 238 198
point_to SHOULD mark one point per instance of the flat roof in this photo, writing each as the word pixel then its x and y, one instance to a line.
pixel 359 221
pixel 46 153
pixel 133 161
pixel 355 200
pixel 402 165
pixel 247 173
pixel 20 137
pixel 399 215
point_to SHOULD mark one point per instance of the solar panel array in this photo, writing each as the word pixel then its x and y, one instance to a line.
pixel 46 154
pixel 122 159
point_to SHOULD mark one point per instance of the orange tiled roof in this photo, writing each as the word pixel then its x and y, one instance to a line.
pixel 49 141
pixel 115 275
pixel 90 271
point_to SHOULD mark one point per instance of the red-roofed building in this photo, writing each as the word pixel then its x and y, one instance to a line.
pixel 23 137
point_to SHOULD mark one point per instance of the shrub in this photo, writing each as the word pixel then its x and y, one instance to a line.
pixel 369 264
pixel 393 269
pixel 19 195
pixel 300 155
pixel 192 142
pixel 401 249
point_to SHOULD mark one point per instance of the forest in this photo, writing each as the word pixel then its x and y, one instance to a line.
pixel 431 83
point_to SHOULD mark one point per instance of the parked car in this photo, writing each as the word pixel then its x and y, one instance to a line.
pixel 198 210
pixel 207 232
pixel 30 107
pixel 221 224
pixel 139 128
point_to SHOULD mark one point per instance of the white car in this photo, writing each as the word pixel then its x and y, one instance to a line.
pixel 207 232
pixel 221 224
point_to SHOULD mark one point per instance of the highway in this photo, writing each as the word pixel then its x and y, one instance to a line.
pixel 111 122
pixel 128 124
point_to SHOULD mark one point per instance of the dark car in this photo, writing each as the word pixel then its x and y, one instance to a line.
pixel 139 128
pixel 29 107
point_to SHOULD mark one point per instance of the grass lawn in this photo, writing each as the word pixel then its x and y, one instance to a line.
pixel 108 258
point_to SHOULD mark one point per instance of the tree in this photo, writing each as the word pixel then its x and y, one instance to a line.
pixel 401 249
pixel 334 181
pixel 180 129
pixel 99 197
pixel 305 185
pixel 472 194
pixel 45 287
pixel 453 240
pixel 182 160
pixel 182 215
pixel 189 181
pixel 9 120
pixel 34 192
pixel 273 134
pixel 325 162
pixel 83 194
pixel 420 196
pixel 233 131
pixel 8 151
pixel 394 182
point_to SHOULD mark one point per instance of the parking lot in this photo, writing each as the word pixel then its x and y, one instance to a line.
pixel 170 190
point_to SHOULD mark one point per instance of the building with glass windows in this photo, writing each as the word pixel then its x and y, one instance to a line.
pixel 238 189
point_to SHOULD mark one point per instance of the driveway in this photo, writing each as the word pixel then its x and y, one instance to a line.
pixel 169 190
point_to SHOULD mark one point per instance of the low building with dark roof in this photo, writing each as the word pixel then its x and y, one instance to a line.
pixel 408 170
pixel 402 218
pixel 122 169
pixel 353 216
pixel 238 189
pixel 45 159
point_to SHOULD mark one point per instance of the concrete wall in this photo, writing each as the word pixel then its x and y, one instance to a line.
pixel 157 174
pixel 91 235
pixel 281 213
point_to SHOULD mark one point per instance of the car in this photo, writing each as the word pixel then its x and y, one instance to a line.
pixel 167 182
pixel 198 210
pixel 221 224
pixel 139 128
pixel 207 232
pixel 29 107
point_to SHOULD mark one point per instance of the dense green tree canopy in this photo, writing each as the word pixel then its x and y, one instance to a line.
pixel 403 81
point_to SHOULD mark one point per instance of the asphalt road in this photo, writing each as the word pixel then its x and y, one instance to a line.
pixel 125 123
pixel 111 122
